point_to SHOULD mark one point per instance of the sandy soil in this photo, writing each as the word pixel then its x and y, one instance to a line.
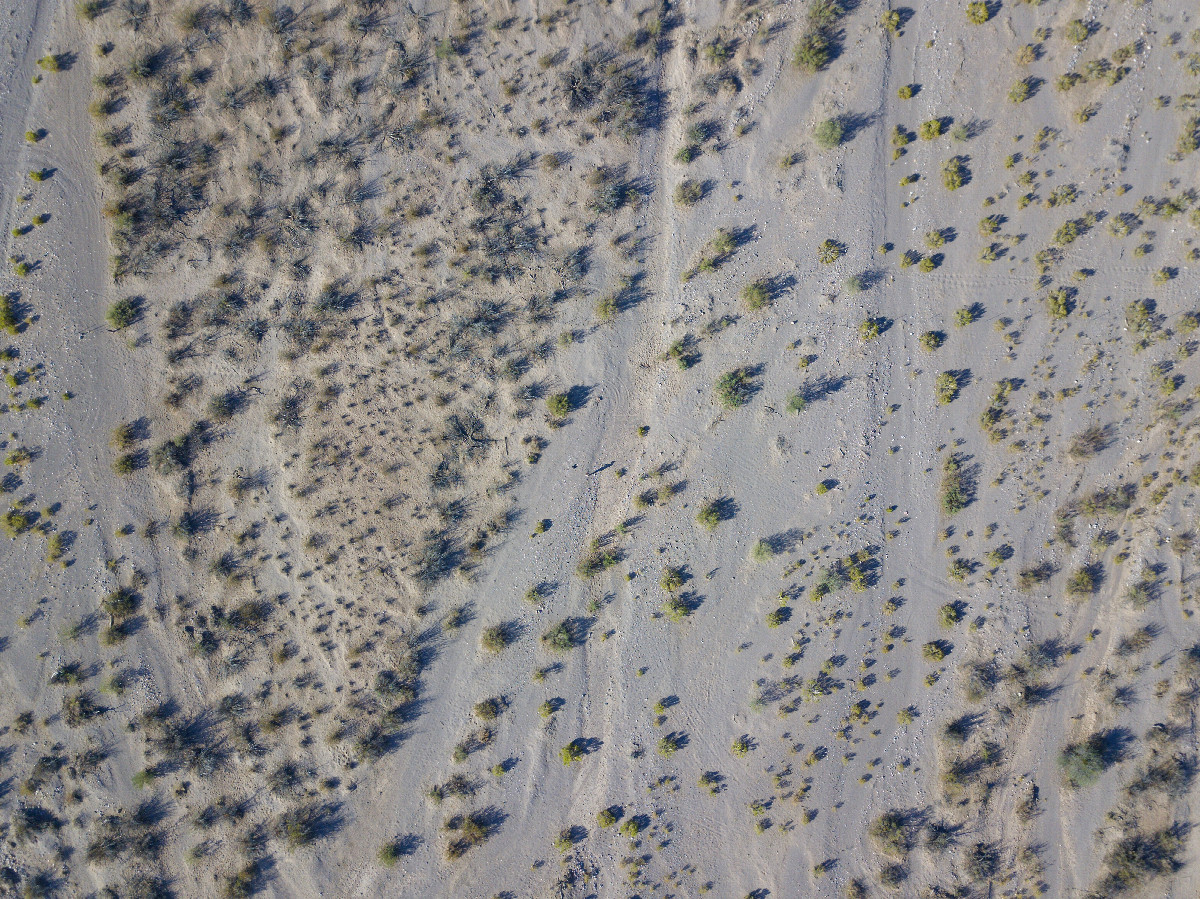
pixel 282 564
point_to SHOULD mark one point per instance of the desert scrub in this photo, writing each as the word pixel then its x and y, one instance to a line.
pixel 934 651
pixel 734 388
pixel 709 515
pixel 689 192
pixel 10 320
pixel 954 172
pixel 1058 302
pixel 930 129
pixel 572 752
pixel 932 340
pixel 1077 31
pixel 946 388
pixel 558 405
pixel 609 816
pixel 949 615
pixel 677 607
pixel 813 51
pixel 124 313
pixel 964 316
pixel 559 638
pixel 1083 581
pixel 1083 763
pixel 669 745
pixel 829 133
pixel 978 12
pixel 494 638
pixel 1021 90
pixel 762 551
pixel 127 463
pixel 890 833
pixel 955 489
pixel 741 746
pixel 757 295
pixel 869 329
pixel 830 251
pixel 631 828
pixel 672 579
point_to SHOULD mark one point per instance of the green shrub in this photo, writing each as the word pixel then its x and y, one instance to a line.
pixel 1083 763
pixel 609 816
pixel 978 12
pixel 558 405
pixel 1058 303
pixel 488 709
pixel 930 129
pixel 955 495
pixel 933 651
pixel 144 778
pixel 1083 582
pixel 890 832
pixel 559 638
pixel 954 173
pixel 949 615
pixel 1077 31
pixel 813 52
pixel 689 192
pixel 124 313
pixel 389 854
pixel 709 515
pixel 869 329
pixel 946 388
pixel 126 464
pixel 494 639
pixel 932 340
pixel 762 551
pixel 734 388
pixel 572 752
pixel 672 579
pixel 830 251
pixel 9 320
pixel 778 617
pixel 830 133
pixel 741 746
pixel 757 295
pixel 17 521
pixel 676 607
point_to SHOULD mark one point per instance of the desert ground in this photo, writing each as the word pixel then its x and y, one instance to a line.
pixel 558 448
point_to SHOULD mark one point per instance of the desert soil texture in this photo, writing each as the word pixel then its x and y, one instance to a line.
pixel 495 449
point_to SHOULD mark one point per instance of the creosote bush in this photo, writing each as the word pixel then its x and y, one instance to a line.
pixel 734 388
pixel 757 295
pixel 978 12
pixel 829 133
pixel 558 405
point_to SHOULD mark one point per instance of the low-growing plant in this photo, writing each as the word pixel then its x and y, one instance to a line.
pixel 734 388
pixel 830 251
pixel 829 133
pixel 978 12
